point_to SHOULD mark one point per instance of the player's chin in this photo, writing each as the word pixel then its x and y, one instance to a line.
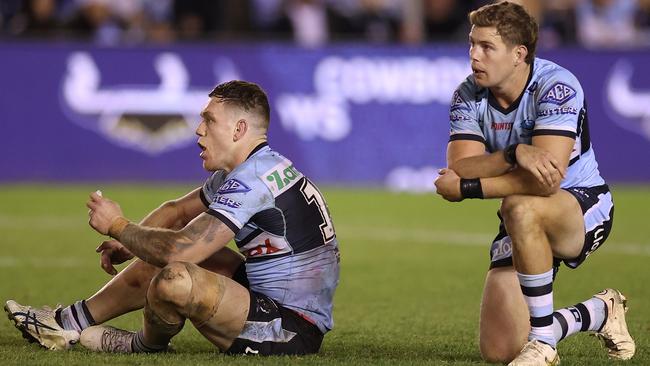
pixel 482 80
pixel 207 166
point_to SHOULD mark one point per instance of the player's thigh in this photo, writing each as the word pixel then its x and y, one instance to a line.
pixel 559 216
pixel 504 320
pixel 225 262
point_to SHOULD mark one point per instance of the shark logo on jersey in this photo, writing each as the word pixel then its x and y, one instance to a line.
pixel 457 103
pixel 233 186
pixel 149 118
pixel 624 101
pixel 558 93
pixel 527 127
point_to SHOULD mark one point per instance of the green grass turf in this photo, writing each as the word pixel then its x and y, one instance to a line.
pixel 411 276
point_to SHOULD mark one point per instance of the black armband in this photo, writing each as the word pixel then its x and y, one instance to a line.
pixel 471 188
pixel 510 154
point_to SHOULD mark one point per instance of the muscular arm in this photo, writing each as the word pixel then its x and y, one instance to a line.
pixel 469 160
pixel 520 181
pixel 175 214
pixel 202 237
pixel 539 171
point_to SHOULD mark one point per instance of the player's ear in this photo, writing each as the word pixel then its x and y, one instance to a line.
pixel 241 126
pixel 519 54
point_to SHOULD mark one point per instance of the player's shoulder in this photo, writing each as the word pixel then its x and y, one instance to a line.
pixel 212 184
pixel 554 83
pixel 466 94
pixel 267 170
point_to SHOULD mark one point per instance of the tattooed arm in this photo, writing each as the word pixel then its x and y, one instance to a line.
pixel 199 239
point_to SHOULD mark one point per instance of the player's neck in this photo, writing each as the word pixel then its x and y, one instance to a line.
pixel 510 90
pixel 247 150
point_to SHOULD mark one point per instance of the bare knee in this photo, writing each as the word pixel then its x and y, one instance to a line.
pixel 496 351
pixel 186 289
pixel 518 210
pixel 503 325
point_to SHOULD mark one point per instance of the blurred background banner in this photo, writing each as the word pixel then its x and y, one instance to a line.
pixel 345 114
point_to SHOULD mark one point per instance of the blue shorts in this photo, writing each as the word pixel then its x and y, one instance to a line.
pixel 598 212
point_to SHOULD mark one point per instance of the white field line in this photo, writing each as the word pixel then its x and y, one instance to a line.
pixel 45 222
pixel 345 233
pixel 451 237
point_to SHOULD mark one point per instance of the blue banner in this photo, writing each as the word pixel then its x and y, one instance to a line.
pixel 350 115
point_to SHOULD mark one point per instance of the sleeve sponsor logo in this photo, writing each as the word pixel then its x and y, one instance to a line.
pixel 281 177
pixel 222 200
pixel 557 111
pixel 233 186
pixel 558 93
pixel 457 103
pixel 455 117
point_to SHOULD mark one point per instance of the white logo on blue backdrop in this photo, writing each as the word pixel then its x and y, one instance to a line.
pixel 148 118
pixel 632 104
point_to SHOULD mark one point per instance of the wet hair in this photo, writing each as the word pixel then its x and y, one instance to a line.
pixel 247 96
pixel 513 24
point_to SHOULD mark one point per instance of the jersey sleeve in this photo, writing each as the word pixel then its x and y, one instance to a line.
pixel 211 186
pixel 238 198
pixel 463 115
pixel 560 102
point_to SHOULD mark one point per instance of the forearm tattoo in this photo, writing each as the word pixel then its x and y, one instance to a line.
pixel 157 245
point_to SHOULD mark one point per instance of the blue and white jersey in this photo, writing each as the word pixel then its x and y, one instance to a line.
pixel 552 103
pixel 283 228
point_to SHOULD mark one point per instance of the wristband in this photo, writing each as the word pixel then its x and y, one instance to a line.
pixel 117 227
pixel 471 188
pixel 510 154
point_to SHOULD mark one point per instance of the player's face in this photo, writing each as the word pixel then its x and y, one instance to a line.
pixel 491 59
pixel 216 135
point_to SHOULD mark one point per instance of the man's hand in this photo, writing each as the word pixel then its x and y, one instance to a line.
pixel 448 185
pixel 102 212
pixel 541 163
pixel 112 252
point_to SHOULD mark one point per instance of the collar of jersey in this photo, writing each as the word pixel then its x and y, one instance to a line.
pixel 514 104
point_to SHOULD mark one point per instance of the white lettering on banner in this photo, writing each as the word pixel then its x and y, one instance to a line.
pixel 627 102
pixel 361 80
pixel 407 179
pixel 313 116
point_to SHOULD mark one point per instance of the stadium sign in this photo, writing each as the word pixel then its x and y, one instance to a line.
pixel 633 105
pixel 339 82
pixel 149 118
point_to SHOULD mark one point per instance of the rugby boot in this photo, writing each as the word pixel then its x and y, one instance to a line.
pixel 39 325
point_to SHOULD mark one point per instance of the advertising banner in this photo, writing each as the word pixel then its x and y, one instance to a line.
pixel 346 115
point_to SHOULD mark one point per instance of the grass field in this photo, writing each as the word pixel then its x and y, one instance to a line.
pixel 411 276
